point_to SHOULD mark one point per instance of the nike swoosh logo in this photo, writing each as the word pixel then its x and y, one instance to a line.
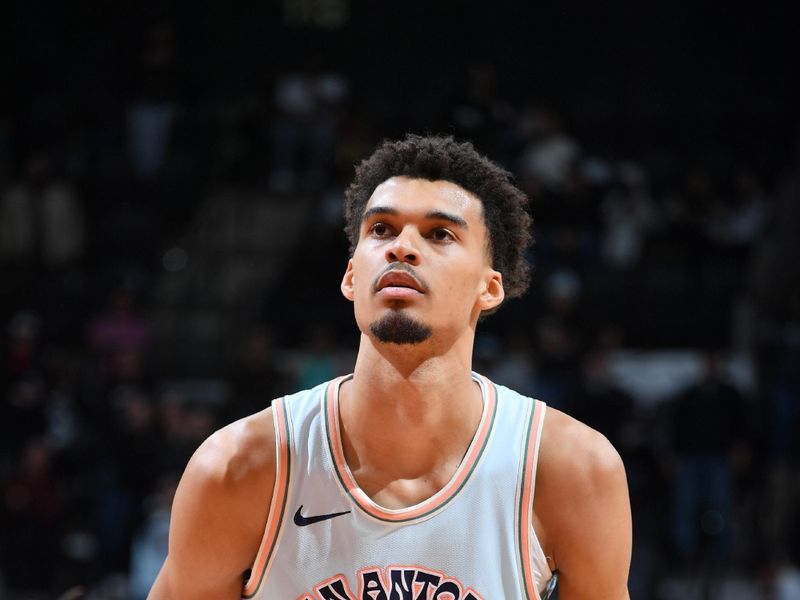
pixel 302 521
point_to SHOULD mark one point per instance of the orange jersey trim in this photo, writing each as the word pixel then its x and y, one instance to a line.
pixel 435 502
pixel 527 485
pixel 277 509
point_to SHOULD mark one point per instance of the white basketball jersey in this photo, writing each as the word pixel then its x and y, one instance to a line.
pixel 325 539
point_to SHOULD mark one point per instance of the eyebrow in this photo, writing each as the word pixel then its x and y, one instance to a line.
pixel 434 214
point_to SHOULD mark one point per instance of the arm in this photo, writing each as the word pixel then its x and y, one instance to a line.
pixel 583 508
pixel 219 515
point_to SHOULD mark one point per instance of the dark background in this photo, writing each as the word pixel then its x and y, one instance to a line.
pixel 171 248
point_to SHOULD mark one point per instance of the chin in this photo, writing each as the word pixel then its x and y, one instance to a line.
pixel 397 327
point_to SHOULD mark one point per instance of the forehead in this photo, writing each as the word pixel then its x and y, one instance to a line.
pixel 412 195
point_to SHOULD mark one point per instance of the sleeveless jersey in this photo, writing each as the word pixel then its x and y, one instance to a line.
pixel 325 539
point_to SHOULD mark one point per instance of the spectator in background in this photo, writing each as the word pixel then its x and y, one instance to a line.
pixel 628 214
pixel 483 116
pixel 129 440
pixel 120 337
pixel 150 542
pixel 22 406
pixel 787 584
pixel 33 504
pixel 309 104
pixel 738 219
pixel 124 419
pixel 515 365
pixel 257 377
pixel 775 282
pixel 559 337
pixel 184 423
pixel 628 217
pixel 18 217
pixel 686 210
pixel 42 221
pixel 597 401
pixel 65 426
pixel 551 154
pixel 317 362
pixel 707 434
pixel 24 335
pixel 152 115
pixel 781 520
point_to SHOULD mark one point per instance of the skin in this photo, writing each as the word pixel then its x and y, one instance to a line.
pixel 582 512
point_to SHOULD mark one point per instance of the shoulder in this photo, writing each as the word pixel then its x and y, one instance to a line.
pixel 232 472
pixel 239 454
pixel 219 512
pixel 581 501
pixel 575 457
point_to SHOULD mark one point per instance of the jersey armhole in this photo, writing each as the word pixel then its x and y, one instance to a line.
pixel 535 570
pixel 277 508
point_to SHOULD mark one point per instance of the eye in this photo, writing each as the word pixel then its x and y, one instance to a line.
pixel 440 234
pixel 379 230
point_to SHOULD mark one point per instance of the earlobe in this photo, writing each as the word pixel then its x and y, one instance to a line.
pixel 494 293
pixel 347 281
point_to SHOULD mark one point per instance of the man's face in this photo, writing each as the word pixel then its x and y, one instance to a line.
pixel 421 266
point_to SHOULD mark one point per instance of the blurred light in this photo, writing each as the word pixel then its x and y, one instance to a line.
pixel 175 259
pixel 80 546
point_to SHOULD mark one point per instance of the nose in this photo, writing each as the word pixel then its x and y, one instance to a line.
pixel 402 249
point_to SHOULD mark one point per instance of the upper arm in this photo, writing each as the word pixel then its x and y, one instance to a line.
pixel 585 510
pixel 218 514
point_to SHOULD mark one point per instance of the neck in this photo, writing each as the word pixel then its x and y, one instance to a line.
pixel 428 397
pixel 408 374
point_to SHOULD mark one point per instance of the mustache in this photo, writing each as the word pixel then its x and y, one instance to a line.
pixel 401 267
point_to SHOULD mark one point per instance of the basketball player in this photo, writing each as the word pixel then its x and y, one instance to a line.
pixel 414 478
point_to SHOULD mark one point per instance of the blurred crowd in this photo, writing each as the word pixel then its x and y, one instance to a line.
pixel 677 254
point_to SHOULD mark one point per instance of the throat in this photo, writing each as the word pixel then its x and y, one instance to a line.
pixel 400 455
pixel 397 494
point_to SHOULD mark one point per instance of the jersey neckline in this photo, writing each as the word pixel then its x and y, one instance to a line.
pixel 437 501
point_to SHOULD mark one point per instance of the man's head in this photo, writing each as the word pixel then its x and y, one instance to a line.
pixel 438 234
pixel 441 158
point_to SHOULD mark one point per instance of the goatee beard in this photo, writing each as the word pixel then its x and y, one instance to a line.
pixel 399 328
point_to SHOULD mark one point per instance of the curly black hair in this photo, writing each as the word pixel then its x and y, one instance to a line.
pixel 442 158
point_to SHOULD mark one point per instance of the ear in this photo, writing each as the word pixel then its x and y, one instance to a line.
pixel 493 293
pixel 347 282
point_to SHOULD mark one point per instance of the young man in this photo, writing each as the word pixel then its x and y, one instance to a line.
pixel 413 478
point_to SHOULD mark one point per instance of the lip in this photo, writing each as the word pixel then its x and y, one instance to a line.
pixel 399 284
pixel 398 293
